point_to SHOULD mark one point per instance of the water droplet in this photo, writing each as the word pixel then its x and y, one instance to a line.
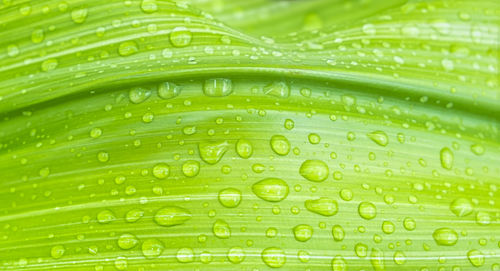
pixel 128 48
pixel 314 170
pixel 236 255
pixel 445 237
pixel 103 156
pixel 289 124
pixel 447 64
pixel 105 216
pixel 230 197
pixel 244 148
pixel 361 250
pixel 37 35
pixel 221 229
pixel 57 251
pixel 314 138
pixel 278 89
pixel 191 168
pixel 379 137
pixel 388 227
pixel 79 15
pixel 134 215
pixel 461 207
pixel 180 36
pixel 127 241
pixel 322 206
pixel 477 149
pixel 410 30
pixel 211 152
pixel 121 263
pixel 171 216
pixel 49 64
pixel 271 189
pixel 346 194
pixel 12 50
pixel 206 257
pixel 303 256
pixel 483 218
pixel 95 132
pixel 149 6
pixel 399 257
pixel 168 90
pixel 152 248
pixel 409 223
pixel 161 170
pixel 273 257
pixel 367 210
pixel 302 232
pixel 369 29
pixel 476 258
pixel 280 145
pixel 185 255
pixel 446 156
pixel 218 87
pixel 44 172
pixel 339 264
pixel 377 259
pixel 338 233
pixel 138 95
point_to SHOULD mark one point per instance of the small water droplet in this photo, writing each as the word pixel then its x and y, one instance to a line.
pixel 302 232
pixel 361 250
pixel 230 197
pixel 483 218
pixel 461 207
pixel 95 132
pixel 149 6
pixel 49 64
pixel 446 157
pixel 152 248
pixel 236 255
pixel 379 137
pixel 322 206
pixel 338 233
pixel 168 90
pixel 477 149
pixel 221 229
pixel 191 168
pixel 180 36
pixel 134 215
pixel 128 48
pixel 172 216
pixel 185 255
pixel 103 156
pixel 367 210
pixel 105 216
pixel 314 170
pixel 339 264
pixel 476 258
pixel 445 237
pixel 218 87
pixel 409 223
pixel 244 148
pixel 280 145
pixel 12 50
pixel 388 227
pixel 57 251
pixel 273 257
pixel 138 95
pixel 79 15
pixel 377 259
pixel 271 189
pixel 161 170
pixel 212 151
pixel 127 241
pixel 37 35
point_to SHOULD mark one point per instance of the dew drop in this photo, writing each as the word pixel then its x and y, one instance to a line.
pixel 271 189
pixel 388 227
pixel 476 258
pixel 221 229
pixel 302 232
pixel 483 218
pixel 361 250
pixel 138 95
pixel 339 264
pixel 399 257
pixel 180 36
pixel 338 233
pixel 79 15
pixel 105 216
pixel 172 216
pixel 161 170
pixel 445 237
pixel 185 255
pixel 379 137
pixel 134 215
pixel 273 257
pixel 377 259
pixel 236 255
pixel 191 168
pixel 128 48
pixel 37 35
pixel 152 248
pixel 127 241
pixel 230 197
pixel 409 223
pixel 168 90
pixel 280 145
pixel 57 251
pixel 217 87
pixel 477 149
pixel 314 170
pixel 278 89
pixel 149 6
pixel 446 156
pixel 49 64
pixel 95 132
pixel 212 151
pixel 322 206
pixel 244 148
pixel 461 207
pixel 367 210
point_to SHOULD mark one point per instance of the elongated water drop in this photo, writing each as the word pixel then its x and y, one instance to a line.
pixel 322 206
pixel 212 151
pixel 379 137
pixel 314 170
pixel 445 237
pixel 280 145
pixel 446 157
pixel 218 87
pixel 273 257
pixel 271 189
pixel 171 216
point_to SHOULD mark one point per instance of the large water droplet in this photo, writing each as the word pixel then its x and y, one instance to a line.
pixel 221 229
pixel 273 257
pixel 388 227
pixel 161 170
pixel 361 250
pixel 445 237
pixel 152 248
pixel 180 36
pixel 483 218
pixel 191 168
pixel 367 210
pixel 461 207
pixel 338 233
pixel 218 87
pixel 314 170
pixel 168 90
pixel 280 145
pixel 446 156
pixel 271 189
pixel 302 232
pixel 399 257
pixel 230 197
pixel 37 35
pixel 185 255
pixel 171 216
pixel 322 206
pixel 79 15
pixel 134 215
pixel 105 216
pixel 477 149
pixel 236 255
pixel 379 137
pixel 409 223
pixel 57 251
pixel 476 258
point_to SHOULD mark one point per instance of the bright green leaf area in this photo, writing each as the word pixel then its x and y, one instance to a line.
pixel 249 135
